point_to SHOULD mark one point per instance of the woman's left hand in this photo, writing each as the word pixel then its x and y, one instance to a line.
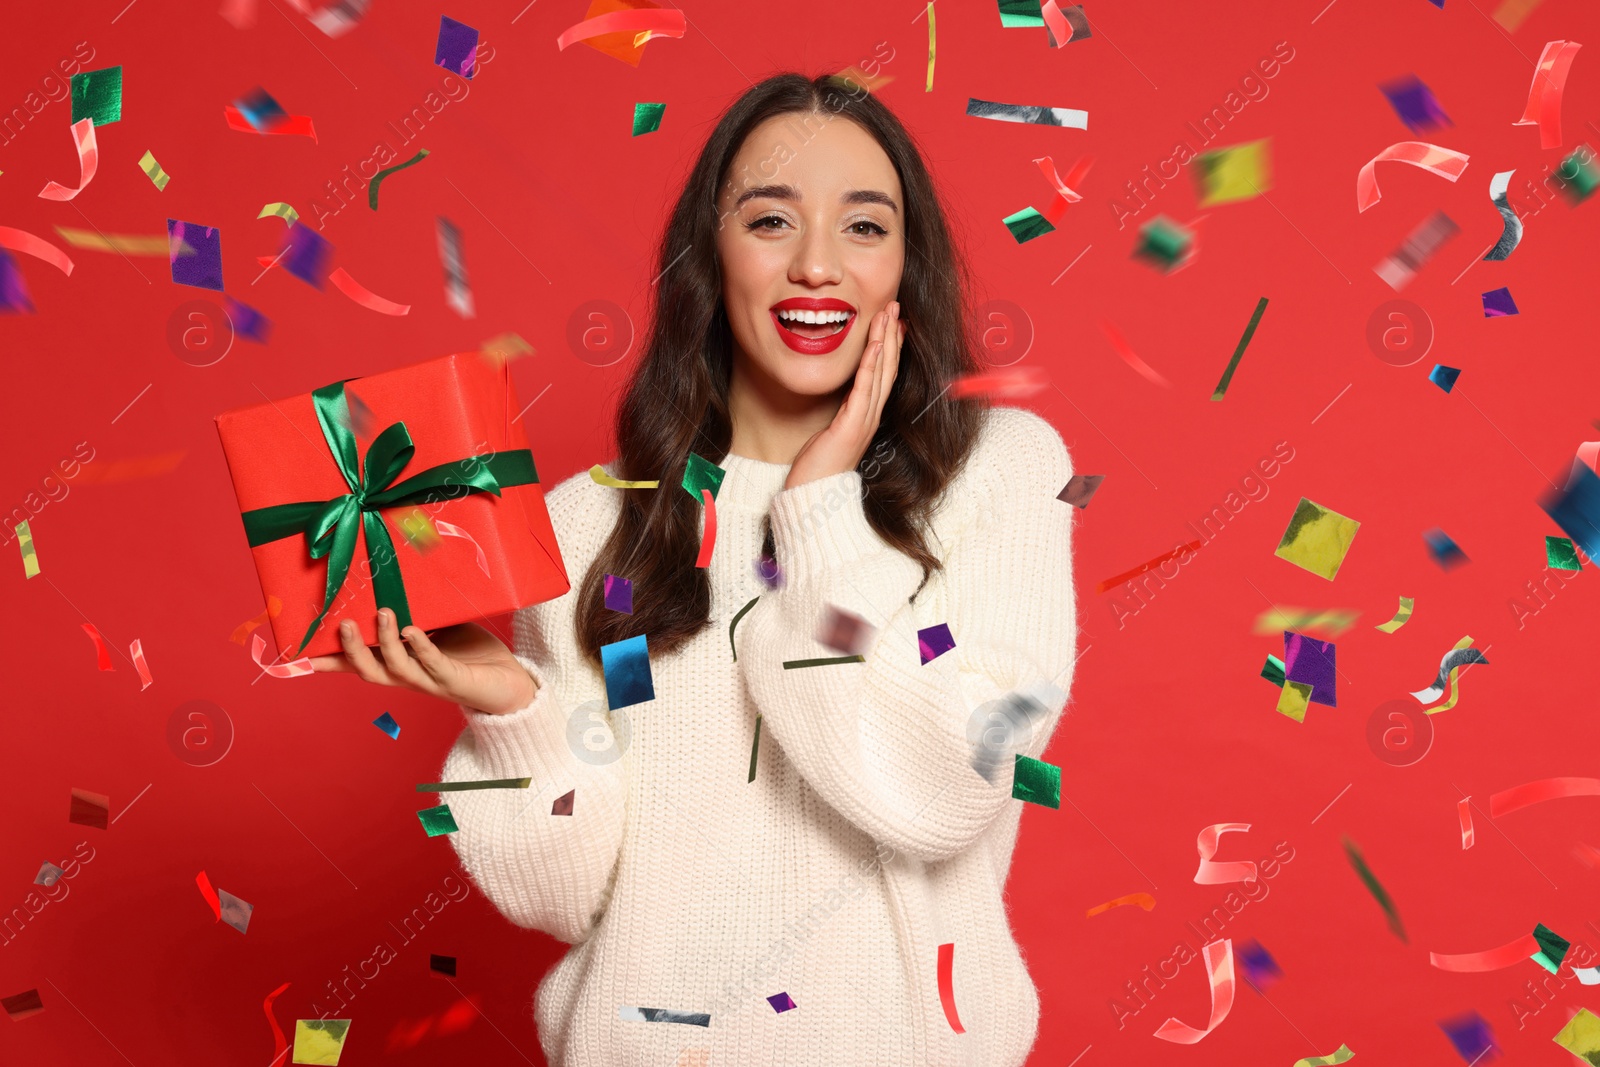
pixel 840 446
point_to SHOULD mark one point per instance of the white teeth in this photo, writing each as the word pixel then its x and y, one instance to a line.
pixel 813 316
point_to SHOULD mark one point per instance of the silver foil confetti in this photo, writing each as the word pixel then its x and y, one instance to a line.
pixel 1041 116
pixel 1511 236
pixel 456 292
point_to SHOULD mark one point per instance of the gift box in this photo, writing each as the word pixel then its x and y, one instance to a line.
pixel 325 481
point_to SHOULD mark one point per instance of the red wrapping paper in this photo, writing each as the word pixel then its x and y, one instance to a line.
pixel 454 407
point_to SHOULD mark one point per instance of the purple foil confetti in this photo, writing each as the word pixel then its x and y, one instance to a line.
pixel 1470 1034
pixel 1498 302
pixel 563 803
pixel 457 48
pixel 781 1002
pixel 247 321
pixel 13 291
pixel 1414 102
pixel 619 594
pixel 767 570
pixel 1311 662
pixel 305 255
pixel 934 642
pixel 1260 969
pixel 202 269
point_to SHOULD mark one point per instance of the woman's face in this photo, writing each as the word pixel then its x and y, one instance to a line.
pixel 812 226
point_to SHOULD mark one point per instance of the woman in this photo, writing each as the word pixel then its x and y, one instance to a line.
pixel 706 867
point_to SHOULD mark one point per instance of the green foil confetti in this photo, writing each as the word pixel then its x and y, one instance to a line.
pixel 791 664
pixel 701 473
pixel 1027 224
pixel 97 95
pixel 1377 891
pixel 647 118
pixel 1552 948
pixel 755 746
pixel 1163 242
pixel 1238 353
pixel 1579 178
pixel 1561 554
pixel 497 783
pixel 1273 671
pixel 30 558
pixel 1037 782
pixel 438 820
pixel 1015 13
pixel 372 187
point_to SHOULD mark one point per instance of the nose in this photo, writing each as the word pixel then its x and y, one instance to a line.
pixel 816 258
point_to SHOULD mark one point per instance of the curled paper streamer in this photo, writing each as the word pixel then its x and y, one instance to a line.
pixel 274 605
pixel 1587 975
pixel 1370 880
pixel 598 474
pixel 210 894
pixel 1492 959
pixel 292 669
pixel 152 170
pixel 660 22
pixel 1401 617
pixel 450 529
pixel 293 125
pixel 1544 95
pixel 1024 380
pixel 1529 793
pixel 136 651
pixel 1458 657
pixel 1340 1056
pixel 26 243
pixel 372 186
pixel 1445 162
pixel 709 542
pixel 1158 561
pixel 947 990
pixel 1066 188
pixel 99 646
pixel 279 1044
pixel 734 623
pixel 1212 873
pixel 365 297
pixel 1063 26
pixel 1511 235
pixel 88 163
pixel 1219 965
pixel 282 210
pixel 1129 356
pixel 128 244
pixel 1464 813
pixel 1144 900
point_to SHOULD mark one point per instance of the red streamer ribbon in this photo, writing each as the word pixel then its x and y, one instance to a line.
pixel 1008 382
pixel 1492 959
pixel 211 896
pixel 1517 797
pixel 1544 95
pixel 661 22
pixel 1066 188
pixel 450 529
pixel 1129 356
pixel 1464 812
pixel 365 297
pixel 26 243
pixel 100 646
pixel 279 1044
pixel 709 541
pixel 1219 963
pixel 274 605
pixel 292 125
pixel 947 989
pixel 1214 873
pixel 136 650
pixel 88 163
pixel 1144 900
pixel 1445 162
pixel 292 669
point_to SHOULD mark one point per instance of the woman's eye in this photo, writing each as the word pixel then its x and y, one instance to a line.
pixel 760 224
pixel 874 227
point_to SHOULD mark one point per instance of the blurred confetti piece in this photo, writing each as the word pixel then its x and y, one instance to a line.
pixel 1260 969
pixel 1490 959
pixel 1401 616
pixel 136 652
pixel 1144 900
pixel 152 170
pixel 242 15
pixel 1211 872
pixel 506 346
pixel 1581 1036
pixel 1080 489
pixel 1340 1056
pixel 1064 25
pixel 100 647
pixel 1036 782
pixel 1511 226
pixel 1444 162
pixel 1510 13
pixel 1219 966
pixel 203 268
pixel 647 118
pixel 30 558
pixel 1158 561
pixel 1537 792
pixel 338 17
pixel 1576 509
pixel 661 22
pixel 854 80
pixel 260 110
pixel 563 803
pixel 450 529
pixel 625 666
pixel 1561 553
pixel 599 476
pixel 247 321
pixel 1238 352
pixel 443 966
pixel 49 874
pixel 319 1041
pixel 235 912
pixel 947 989
pixel 1464 813
pixel 22 1005
pixel 1552 948
pixel 1578 175
pixel 1017 381
pixel 377 179
pixel 1275 620
pixel 88 163
pixel 292 669
pixel 274 605
pixel 1460 655
pixel 304 254
pixel 1317 539
pixel 931 42
pixel 13 290
pixel 90 809
pixel 438 820
pixel 624 45
pixel 1471 1036
pixel 456 48
pixel 1420 245
pixel 1294 700
pixel 1359 863
pixel 708 539
pixel 281 210
pixel 1066 188
pixel 1544 94
pixel 1237 172
pixel 457 293
pixel 1445 552
pixel 1444 377
pixel 386 723
pixel 1129 356
pixel 1029 113
pixel 28 244
pixel 1414 102
pixel 1165 244
pixel 1027 224
pixel 844 631
pixel 496 783
pixel 290 125
pixel 934 641
pixel 127 244
pixel 365 297
pixel 97 95
pixel 417 528
pixel 1497 303
pixel 210 894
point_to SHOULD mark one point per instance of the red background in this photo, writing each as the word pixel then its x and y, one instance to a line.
pixel 310 815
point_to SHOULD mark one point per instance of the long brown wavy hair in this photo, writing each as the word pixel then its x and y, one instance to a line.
pixel 677 399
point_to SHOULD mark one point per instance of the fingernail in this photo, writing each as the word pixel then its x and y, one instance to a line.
pixel 347 627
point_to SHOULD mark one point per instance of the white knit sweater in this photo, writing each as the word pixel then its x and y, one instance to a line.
pixel 866 840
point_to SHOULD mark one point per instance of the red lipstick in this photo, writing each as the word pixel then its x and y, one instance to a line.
pixel 812 345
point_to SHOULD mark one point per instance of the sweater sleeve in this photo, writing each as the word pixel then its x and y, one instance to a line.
pixel 548 872
pixel 890 742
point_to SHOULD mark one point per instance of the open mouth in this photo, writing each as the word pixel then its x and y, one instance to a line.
pixel 814 324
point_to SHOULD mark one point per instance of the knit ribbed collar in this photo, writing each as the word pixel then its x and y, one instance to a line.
pixel 750 484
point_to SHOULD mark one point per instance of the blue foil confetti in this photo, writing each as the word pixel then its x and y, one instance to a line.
pixel 1576 509
pixel 1444 377
pixel 386 723
pixel 1446 553
pixel 626 665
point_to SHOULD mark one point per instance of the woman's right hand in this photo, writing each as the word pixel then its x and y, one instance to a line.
pixel 464 664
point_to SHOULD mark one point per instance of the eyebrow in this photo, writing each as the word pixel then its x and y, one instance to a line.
pixel 789 192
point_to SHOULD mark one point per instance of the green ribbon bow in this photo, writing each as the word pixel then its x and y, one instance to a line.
pixel 330 525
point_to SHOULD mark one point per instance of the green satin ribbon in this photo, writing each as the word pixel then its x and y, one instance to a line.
pixel 330 525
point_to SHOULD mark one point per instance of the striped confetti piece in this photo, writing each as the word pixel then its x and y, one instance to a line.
pixel 281 210
pixel 30 558
pixel 153 171
pixel 1401 617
